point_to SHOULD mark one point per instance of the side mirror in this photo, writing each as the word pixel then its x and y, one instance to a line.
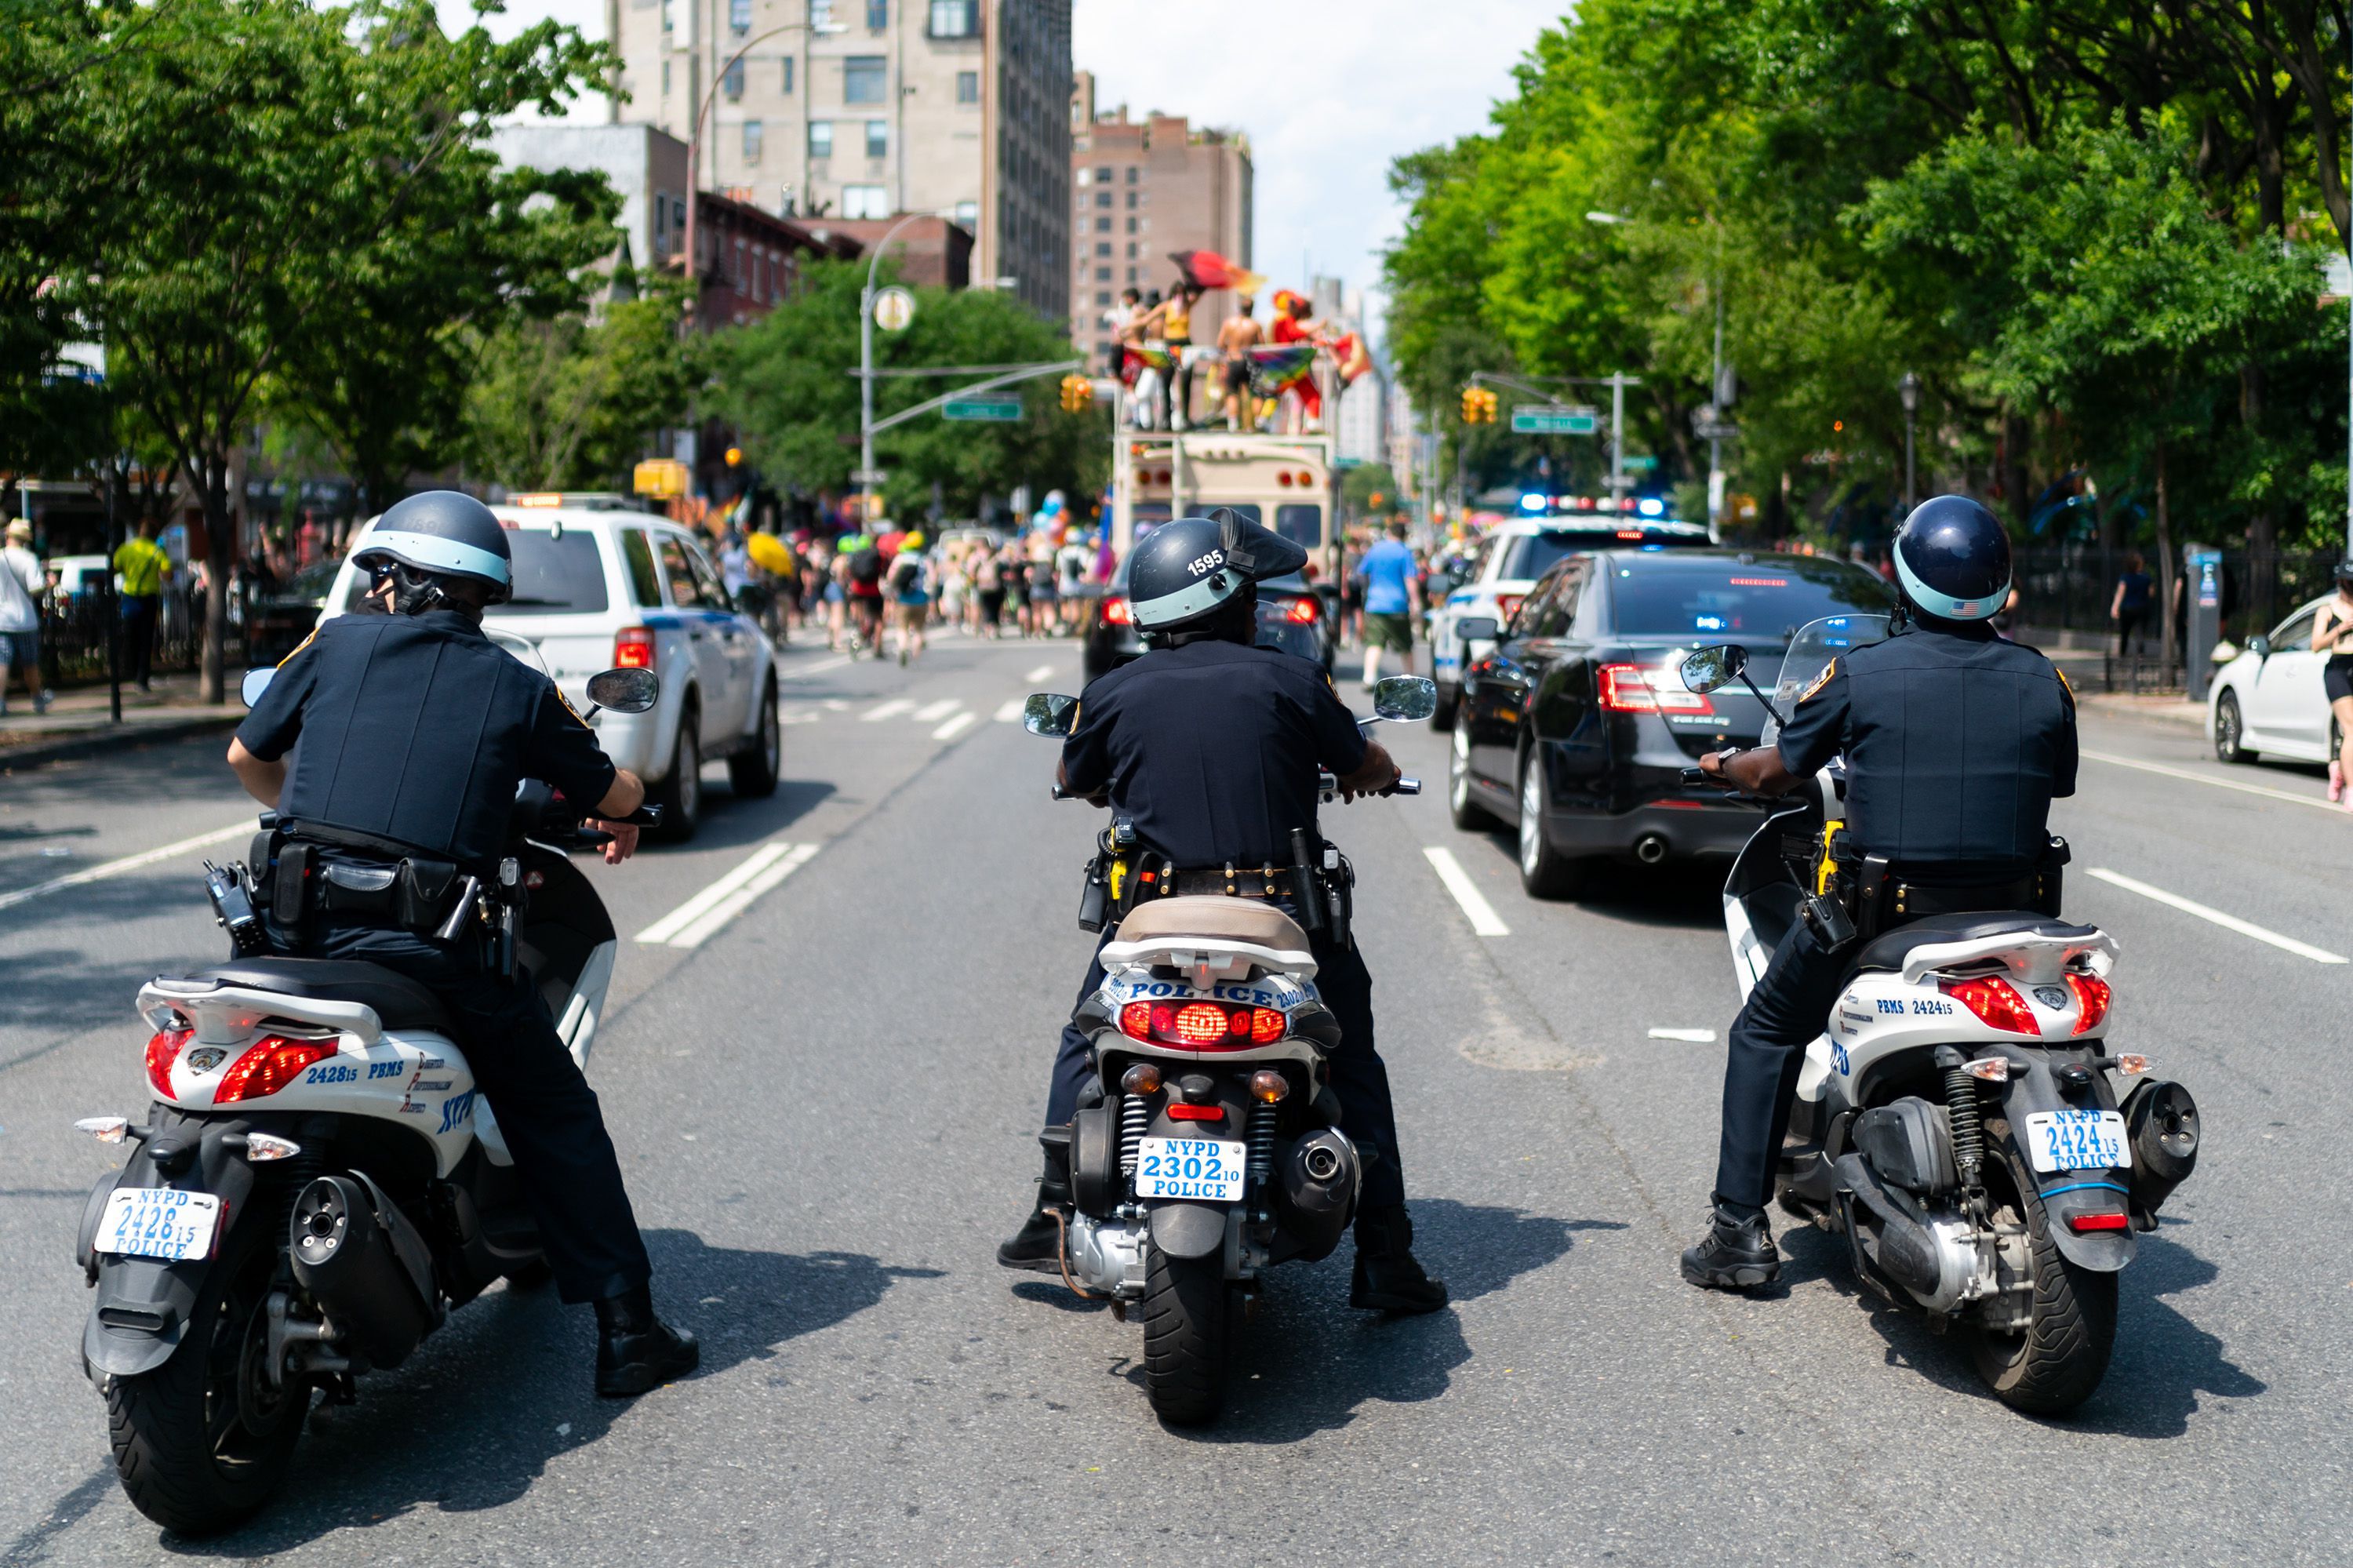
pixel 624 690
pixel 1050 715
pixel 256 682
pixel 1477 629
pixel 1405 698
pixel 1706 669
pixel 2260 646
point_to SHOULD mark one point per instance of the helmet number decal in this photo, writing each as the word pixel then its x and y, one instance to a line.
pixel 1201 564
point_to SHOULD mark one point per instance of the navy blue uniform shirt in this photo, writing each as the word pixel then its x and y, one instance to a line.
pixel 1956 743
pixel 417 728
pixel 1211 749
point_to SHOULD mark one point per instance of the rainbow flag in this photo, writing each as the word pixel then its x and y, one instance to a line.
pixel 1277 368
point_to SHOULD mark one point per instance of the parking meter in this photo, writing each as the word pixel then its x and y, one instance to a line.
pixel 2202 569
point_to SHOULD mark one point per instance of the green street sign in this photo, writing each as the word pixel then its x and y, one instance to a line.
pixel 1644 463
pixel 1555 421
pixel 1000 410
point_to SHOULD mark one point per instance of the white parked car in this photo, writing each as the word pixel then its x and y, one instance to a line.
pixel 596 587
pixel 2270 699
pixel 1506 564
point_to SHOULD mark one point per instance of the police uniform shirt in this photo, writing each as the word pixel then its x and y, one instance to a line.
pixel 417 728
pixel 1956 743
pixel 1212 750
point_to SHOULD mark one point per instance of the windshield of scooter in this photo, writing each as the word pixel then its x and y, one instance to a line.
pixel 1813 649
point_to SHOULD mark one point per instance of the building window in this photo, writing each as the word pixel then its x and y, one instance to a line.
pixel 878 15
pixel 1130 199
pixel 1103 199
pixel 739 16
pixel 1131 249
pixel 878 138
pixel 968 213
pixel 820 15
pixel 865 201
pixel 1131 173
pixel 1102 274
pixel 1103 248
pixel 752 138
pixel 967 87
pixel 820 139
pixel 665 79
pixel 1103 225
pixel 1086 178
pixel 1103 297
pixel 1131 274
pixel 864 78
pixel 732 84
pixel 956 19
pixel 788 73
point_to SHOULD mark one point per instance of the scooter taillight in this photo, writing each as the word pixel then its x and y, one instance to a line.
pixel 268 1066
pixel 1202 1026
pixel 162 1049
pixel 2091 1000
pixel 1995 1001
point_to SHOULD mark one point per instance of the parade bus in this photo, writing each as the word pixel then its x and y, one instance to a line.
pixel 1282 482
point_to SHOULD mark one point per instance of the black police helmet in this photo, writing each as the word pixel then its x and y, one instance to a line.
pixel 1184 570
pixel 1953 559
pixel 443 532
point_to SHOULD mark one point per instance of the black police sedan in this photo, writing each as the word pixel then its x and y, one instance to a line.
pixel 1576 728
pixel 1291 616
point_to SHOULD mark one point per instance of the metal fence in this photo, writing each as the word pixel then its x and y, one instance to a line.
pixel 73 637
pixel 2071 589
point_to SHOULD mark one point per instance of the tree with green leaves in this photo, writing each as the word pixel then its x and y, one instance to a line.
pixel 573 401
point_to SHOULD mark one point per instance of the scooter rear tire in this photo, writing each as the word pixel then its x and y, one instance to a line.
pixel 1185 1323
pixel 2061 1357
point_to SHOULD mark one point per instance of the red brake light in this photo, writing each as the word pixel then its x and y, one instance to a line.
pixel 1302 612
pixel 1116 612
pixel 273 1063
pixel 2109 1222
pixel 1182 1112
pixel 1629 689
pixel 162 1051
pixel 1630 533
pixel 1202 1025
pixel 1506 604
pixel 2091 1000
pixel 633 648
pixel 1995 1001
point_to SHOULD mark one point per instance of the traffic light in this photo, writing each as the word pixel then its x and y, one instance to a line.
pixel 1077 394
pixel 1478 405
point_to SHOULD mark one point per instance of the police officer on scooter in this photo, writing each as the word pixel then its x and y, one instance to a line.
pixel 1211 747
pixel 1956 743
pixel 395 738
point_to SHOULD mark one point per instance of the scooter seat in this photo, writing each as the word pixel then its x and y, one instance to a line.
pixel 398 1001
pixel 1207 914
pixel 1889 950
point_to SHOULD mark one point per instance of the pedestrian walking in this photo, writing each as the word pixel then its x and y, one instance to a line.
pixel 988 590
pixel 143 568
pixel 2332 635
pixel 23 585
pixel 1392 601
pixel 911 591
pixel 2134 596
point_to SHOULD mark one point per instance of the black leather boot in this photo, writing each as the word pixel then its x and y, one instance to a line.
pixel 1737 1253
pixel 636 1353
pixel 1038 1245
pixel 1387 1279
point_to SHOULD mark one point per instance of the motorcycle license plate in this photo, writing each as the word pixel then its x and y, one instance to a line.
pixel 2077 1140
pixel 1208 1168
pixel 157 1222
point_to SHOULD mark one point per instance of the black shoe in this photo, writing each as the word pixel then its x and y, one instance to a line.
pixel 1038 1245
pixel 1737 1254
pixel 636 1353
pixel 1387 1279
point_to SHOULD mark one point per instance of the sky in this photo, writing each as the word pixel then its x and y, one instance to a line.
pixel 1365 81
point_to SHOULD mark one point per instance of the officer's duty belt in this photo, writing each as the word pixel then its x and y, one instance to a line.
pixel 1231 881
pixel 1914 901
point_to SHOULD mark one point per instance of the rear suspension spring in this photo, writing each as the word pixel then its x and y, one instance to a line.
pixel 1261 1144
pixel 1968 1130
pixel 1133 1119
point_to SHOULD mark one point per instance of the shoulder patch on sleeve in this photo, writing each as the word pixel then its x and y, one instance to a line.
pixel 567 706
pixel 1820 681
pixel 299 647
pixel 2065 684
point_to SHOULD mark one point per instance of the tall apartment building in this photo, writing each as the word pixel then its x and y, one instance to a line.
pixel 1140 191
pixel 865 109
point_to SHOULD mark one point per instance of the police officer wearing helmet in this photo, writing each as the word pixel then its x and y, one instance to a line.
pixel 397 738
pixel 1211 747
pixel 1956 743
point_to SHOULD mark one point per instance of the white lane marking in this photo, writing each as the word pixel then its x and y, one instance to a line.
pixel 2228 922
pixel 1042 673
pixel 890 709
pixel 836 705
pixel 1484 921
pixel 694 908
pixel 798 718
pixel 1010 711
pixel 735 903
pixel 128 862
pixel 956 725
pixel 1688 1036
pixel 816 669
pixel 2113 760
pixel 931 713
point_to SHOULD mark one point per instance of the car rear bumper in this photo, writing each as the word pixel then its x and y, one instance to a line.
pixel 1674 828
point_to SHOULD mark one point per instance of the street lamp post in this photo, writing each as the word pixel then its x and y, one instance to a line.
pixel 694 146
pixel 866 361
pixel 1909 390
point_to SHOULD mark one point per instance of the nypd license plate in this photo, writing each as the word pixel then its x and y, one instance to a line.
pixel 1208 1168
pixel 158 1222
pixel 2077 1140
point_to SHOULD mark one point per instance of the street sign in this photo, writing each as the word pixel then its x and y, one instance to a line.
pixel 870 476
pixel 1644 463
pixel 1718 432
pixel 1000 410
pixel 1552 419
pixel 893 309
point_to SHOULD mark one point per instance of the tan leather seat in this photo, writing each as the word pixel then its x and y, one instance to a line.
pixel 1210 914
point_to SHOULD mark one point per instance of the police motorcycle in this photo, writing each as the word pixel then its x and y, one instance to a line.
pixel 1961 1121
pixel 318 1183
pixel 1206 1148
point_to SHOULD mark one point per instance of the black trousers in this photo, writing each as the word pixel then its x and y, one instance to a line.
pixel 1360 1077
pixel 1788 1007
pixel 139 616
pixel 546 1109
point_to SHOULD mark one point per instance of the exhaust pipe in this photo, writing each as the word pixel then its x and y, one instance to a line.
pixel 1317 1194
pixel 1651 848
pixel 351 1258
pixel 2161 1119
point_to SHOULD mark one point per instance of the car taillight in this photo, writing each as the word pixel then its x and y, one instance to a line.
pixel 1202 1026
pixel 1117 612
pixel 1630 689
pixel 633 648
pixel 1302 611
pixel 162 1051
pixel 1995 1001
pixel 2091 999
pixel 271 1064
pixel 1506 603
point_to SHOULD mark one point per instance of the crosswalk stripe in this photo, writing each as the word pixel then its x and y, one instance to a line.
pixel 1042 673
pixel 890 709
pixel 1010 711
pixel 931 713
pixel 956 725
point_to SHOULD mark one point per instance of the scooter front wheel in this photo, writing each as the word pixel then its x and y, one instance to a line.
pixel 1185 1323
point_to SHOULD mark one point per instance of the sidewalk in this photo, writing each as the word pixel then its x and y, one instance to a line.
pixel 77 724
pixel 2172 710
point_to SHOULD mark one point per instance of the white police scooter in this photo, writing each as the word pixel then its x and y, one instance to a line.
pixel 317 1183
pixel 1959 1120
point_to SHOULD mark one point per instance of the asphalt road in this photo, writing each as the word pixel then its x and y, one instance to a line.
pixel 827 1107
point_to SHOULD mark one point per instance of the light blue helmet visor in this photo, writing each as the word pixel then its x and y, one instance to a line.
pixel 430 552
pixel 1194 598
pixel 1944 605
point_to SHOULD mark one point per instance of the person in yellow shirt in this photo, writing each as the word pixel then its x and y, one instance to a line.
pixel 143 565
